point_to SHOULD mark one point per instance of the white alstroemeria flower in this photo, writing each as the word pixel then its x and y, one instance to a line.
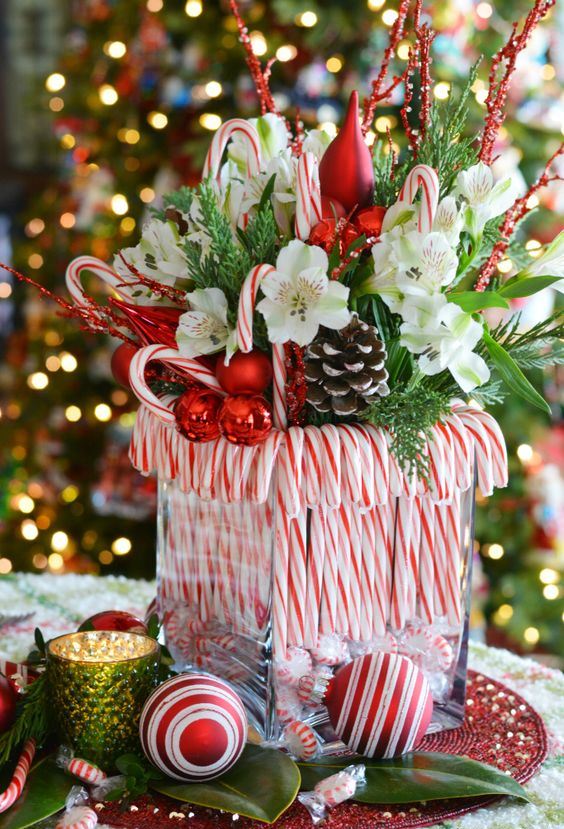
pixel 549 263
pixel 426 262
pixel 316 142
pixel 284 168
pixel 299 296
pixel 399 217
pixel 158 255
pixel 449 220
pixel 274 139
pixel 203 329
pixel 485 198
pixel 447 343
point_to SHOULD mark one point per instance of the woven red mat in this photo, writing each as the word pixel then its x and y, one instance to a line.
pixel 500 729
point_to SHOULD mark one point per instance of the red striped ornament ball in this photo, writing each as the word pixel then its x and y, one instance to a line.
pixel 193 727
pixel 380 705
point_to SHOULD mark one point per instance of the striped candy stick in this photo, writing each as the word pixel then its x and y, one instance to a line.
pixel 348 599
pixel 452 525
pixel 329 598
pixel 424 177
pixel 376 542
pixel 366 457
pixel 483 448
pixel 235 126
pixel 358 582
pixel 497 444
pixel 85 771
pixel 350 463
pixel 399 607
pixel 381 462
pixel 9 796
pixel 315 563
pixel 413 561
pixel 280 576
pixel 463 451
pixel 73 279
pixel 297 579
pixel 331 465
pixel 313 466
pixel 426 518
pixel 308 195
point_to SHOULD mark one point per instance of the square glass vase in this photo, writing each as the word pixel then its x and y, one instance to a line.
pixel 319 570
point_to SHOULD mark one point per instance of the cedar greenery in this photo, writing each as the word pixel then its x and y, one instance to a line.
pixel 33 720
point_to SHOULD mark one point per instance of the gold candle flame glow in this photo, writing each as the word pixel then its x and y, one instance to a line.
pixel 102 646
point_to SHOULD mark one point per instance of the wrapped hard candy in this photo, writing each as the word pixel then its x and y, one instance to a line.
pixel 300 740
pixel 386 643
pixel 331 649
pixel 333 790
pixel 427 648
pixel 288 704
pixel 296 665
pixel 77 814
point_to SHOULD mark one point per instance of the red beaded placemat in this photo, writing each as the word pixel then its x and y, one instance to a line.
pixel 500 729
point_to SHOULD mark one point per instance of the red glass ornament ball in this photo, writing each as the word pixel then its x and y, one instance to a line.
pixel 8 700
pixel 245 419
pixel 196 414
pixel 114 620
pixel 193 727
pixel 369 221
pixel 121 360
pixel 380 705
pixel 245 373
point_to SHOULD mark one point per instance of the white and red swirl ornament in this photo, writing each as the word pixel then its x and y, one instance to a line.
pixel 380 705
pixel 193 727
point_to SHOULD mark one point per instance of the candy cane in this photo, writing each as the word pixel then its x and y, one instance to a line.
pixel 331 465
pixel 399 607
pixel 425 177
pixel 366 460
pixel 348 620
pixel 482 444
pixel 329 600
pixel 246 309
pixel 194 370
pixel 313 468
pixel 497 444
pixel 73 279
pixel 220 141
pixel 350 463
pixel 463 451
pixel 315 560
pixel 426 515
pixel 15 788
pixel 308 195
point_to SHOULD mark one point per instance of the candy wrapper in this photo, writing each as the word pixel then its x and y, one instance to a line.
pixel 333 790
pixel 77 814
pixel 100 792
pixel 82 769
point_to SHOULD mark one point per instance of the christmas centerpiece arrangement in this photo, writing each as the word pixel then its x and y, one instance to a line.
pixel 314 333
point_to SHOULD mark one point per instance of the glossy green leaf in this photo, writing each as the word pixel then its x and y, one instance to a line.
pixel 472 301
pixel 520 286
pixel 512 375
pixel 418 776
pixel 261 786
pixel 45 793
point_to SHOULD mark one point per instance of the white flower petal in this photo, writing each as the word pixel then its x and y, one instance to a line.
pixel 469 371
pixel 210 300
pixel 297 256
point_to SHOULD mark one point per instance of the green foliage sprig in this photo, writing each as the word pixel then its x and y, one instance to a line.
pixel 33 720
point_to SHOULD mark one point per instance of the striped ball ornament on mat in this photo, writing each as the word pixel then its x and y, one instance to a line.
pixel 380 705
pixel 193 727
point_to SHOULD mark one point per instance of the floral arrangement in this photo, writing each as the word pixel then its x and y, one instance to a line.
pixel 361 282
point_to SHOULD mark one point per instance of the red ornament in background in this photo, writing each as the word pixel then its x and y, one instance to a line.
pixel 197 413
pixel 114 620
pixel 120 362
pixel 8 700
pixel 245 373
pixel 153 324
pixel 245 420
pixel 346 172
pixel 331 208
pixel 369 221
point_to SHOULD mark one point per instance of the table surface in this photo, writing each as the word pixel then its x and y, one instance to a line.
pixel 60 603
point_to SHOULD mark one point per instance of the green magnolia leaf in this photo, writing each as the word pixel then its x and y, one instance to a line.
pixel 512 375
pixel 520 286
pixel 418 776
pixel 472 301
pixel 261 786
pixel 45 793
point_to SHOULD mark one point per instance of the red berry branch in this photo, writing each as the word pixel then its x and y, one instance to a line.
pixel 408 97
pixel 425 37
pixel 519 209
pixel 296 388
pixel 500 78
pixel 260 78
pixel 175 295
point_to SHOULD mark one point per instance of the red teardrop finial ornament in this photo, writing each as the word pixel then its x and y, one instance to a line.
pixel 153 324
pixel 346 172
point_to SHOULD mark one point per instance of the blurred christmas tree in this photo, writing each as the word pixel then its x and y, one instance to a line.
pixel 139 87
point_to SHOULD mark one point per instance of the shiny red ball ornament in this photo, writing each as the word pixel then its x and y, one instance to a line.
pixel 245 419
pixel 121 360
pixel 245 373
pixel 114 620
pixel 380 705
pixel 331 208
pixel 346 172
pixel 196 414
pixel 8 700
pixel 369 221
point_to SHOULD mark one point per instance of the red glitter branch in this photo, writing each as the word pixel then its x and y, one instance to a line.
pixel 378 93
pixel 392 153
pixel 260 79
pixel 175 295
pixel 296 388
pixel 425 38
pixel 499 86
pixel 514 215
pixel 338 271
pixel 408 96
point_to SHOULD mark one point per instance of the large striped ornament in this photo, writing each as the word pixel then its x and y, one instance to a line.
pixel 380 705
pixel 193 727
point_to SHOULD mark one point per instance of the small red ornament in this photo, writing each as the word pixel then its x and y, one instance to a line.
pixel 153 323
pixel 114 620
pixel 331 208
pixel 245 419
pixel 380 705
pixel 121 360
pixel 8 700
pixel 369 221
pixel 323 234
pixel 197 413
pixel 245 373
pixel 193 727
pixel 346 172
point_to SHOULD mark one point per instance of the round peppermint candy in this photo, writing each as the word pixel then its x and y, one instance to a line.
pixel 193 727
pixel 380 705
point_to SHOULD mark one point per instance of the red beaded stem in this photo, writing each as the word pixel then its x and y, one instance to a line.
pixel 175 295
pixel 336 272
pixel 408 96
pixel 295 384
pixel 260 80
pixel 498 88
pixel 425 37
pixel 514 215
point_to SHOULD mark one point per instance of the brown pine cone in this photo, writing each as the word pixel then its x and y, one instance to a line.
pixel 344 370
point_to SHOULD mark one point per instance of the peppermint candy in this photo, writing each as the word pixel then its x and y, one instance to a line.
pixel 300 740
pixel 296 665
pixel 331 649
pixel 428 649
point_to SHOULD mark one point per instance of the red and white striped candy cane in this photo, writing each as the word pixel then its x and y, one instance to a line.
pixel 366 468
pixel 350 463
pixel 497 444
pixel 315 559
pixel 313 466
pixel 73 279
pixel 483 447
pixel 308 195
pixel 426 516
pixel 11 669
pixel 331 465
pixel 189 366
pixel 348 607
pixel 79 817
pixel 399 607
pixel 15 788
pixel 85 771
pixel 221 139
pixel 463 451
pixel 329 595
pixel 425 177
pixel 381 463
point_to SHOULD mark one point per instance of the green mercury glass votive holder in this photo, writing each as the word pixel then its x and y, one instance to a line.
pixel 98 683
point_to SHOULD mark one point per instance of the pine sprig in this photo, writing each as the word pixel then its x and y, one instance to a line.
pixel 539 354
pixel 408 414
pixel 33 720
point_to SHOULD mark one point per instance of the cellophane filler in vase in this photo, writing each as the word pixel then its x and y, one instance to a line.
pixel 305 331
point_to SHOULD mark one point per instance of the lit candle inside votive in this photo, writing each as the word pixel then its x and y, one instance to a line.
pixel 99 681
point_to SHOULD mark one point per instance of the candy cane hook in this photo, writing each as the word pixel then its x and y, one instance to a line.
pixel 73 279
pixel 15 788
pixel 425 177
pixel 308 195
pixel 220 141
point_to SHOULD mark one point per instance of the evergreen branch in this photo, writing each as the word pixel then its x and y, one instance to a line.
pixel 489 394
pixel 539 354
pixel 33 719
